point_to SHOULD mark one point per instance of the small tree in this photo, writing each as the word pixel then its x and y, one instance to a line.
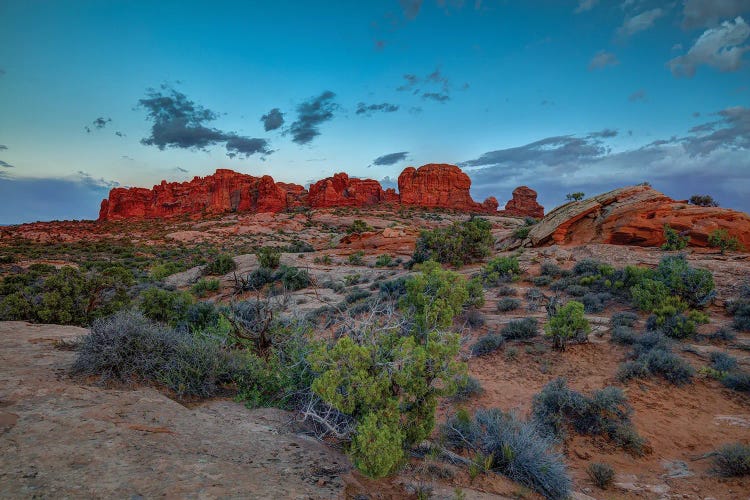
pixel 358 226
pixel 720 238
pixel 674 240
pixel 703 200
pixel 268 257
pixel 568 322
pixel 577 196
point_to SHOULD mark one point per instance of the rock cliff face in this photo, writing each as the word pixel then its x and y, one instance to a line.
pixel 429 186
pixel 524 203
pixel 636 215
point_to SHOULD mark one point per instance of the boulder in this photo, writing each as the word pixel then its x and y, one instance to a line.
pixel 524 204
pixel 440 186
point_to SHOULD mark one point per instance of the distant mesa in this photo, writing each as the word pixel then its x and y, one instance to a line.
pixel 636 215
pixel 429 186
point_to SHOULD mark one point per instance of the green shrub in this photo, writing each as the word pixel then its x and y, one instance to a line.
pixel 358 226
pixel 220 265
pixel 383 260
pixel 292 278
pixel 299 246
pixel 577 196
pixel 542 280
pixel 268 257
pixel 203 287
pixel 673 239
pixel 487 344
pixel 466 388
pixel 165 306
pixel 161 271
pixel 325 259
pixel 669 320
pixel 567 323
pixel 652 356
pixel 393 289
pixel 623 335
pixel 474 318
pixel 594 302
pixel 703 200
pixel 521 232
pixel 520 329
pixel 508 304
pixel 649 294
pixel 500 270
pixel 506 291
pixel 738 381
pixel 722 362
pixel 720 238
pixel 740 309
pixel 695 286
pixel 462 243
pixel 624 318
pixel 732 460
pixel 601 474
pixel 355 259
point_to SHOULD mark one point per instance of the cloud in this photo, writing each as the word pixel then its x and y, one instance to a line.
pixel 61 198
pixel 718 47
pixel 641 22
pixel 126 157
pixel 713 158
pixel 604 133
pixel 179 123
pixel 272 120
pixel 411 81
pixel 410 8
pixel 390 159
pixel 638 95
pixel 310 115
pixel 5 164
pixel 388 182
pixel 436 96
pixel 101 122
pixel 584 5
pixel 3 147
pixel 602 59
pixel 708 13
pixel 183 170
pixel 368 109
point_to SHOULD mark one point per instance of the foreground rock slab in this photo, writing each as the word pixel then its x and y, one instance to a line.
pixel 59 438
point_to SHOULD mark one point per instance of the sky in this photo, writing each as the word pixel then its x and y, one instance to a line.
pixel 562 96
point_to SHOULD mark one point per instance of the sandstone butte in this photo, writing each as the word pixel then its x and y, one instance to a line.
pixel 636 215
pixel 429 186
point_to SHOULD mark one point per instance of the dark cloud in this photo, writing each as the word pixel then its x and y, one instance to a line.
pixel 602 59
pixel 180 169
pixel 640 22
pixel 584 5
pixel 119 134
pixel 410 8
pixel 436 96
pixel 368 109
pixel 5 164
pixel 604 133
pixel 3 147
pixel 34 199
pixel 178 122
pixel 720 47
pixel 310 115
pixel 272 120
pixel 731 130
pixel 390 159
pixel 638 95
pixel 101 122
pixel 708 13
pixel 411 82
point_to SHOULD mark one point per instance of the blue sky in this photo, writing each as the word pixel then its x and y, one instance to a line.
pixel 580 95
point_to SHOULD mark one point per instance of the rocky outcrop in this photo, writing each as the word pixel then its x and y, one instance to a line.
pixel 524 204
pixel 343 191
pixel 430 186
pixel 636 215
pixel 439 185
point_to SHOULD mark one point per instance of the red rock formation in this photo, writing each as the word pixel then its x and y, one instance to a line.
pixel 224 191
pixel 636 215
pixel 438 185
pixel 524 204
pixel 342 191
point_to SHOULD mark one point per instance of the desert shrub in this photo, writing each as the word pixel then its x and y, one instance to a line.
pixel 356 295
pixel 128 347
pixel 474 318
pixel 542 280
pixel 358 226
pixel 487 344
pixel 268 257
pixel 722 362
pixel 590 267
pixel 508 304
pixel 534 298
pixel 740 309
pixel 394 408
pixel 161 271
pixel 606 413
pixel 549 268
pixel 393 289
pixel 511 447
pixel 670 320
pixel 259 278
pixel 299 246
pixel 624 318
pixel 293 278
pixel 722 333
pixel 673 239
pixel 506 291
pixel 695 286
pixel 595 302
pixel 384 260
pixel 203 286
pixel 459 244
pixel 165 306
pixel 476 293
pixel 352 279
pixel 652 355
pixel 500 270
pixel 577 290
pixel 720 238
pixel 356 259
pixel 466 388
pixel 649 294
pixel 520 329
pixel 623 335
pixel 434 296
pixel 206 318
pixel 324 259
pixel 220 265
pixel 703 200
pixel 521 232
pixel 567 323
pixel 732 460
pixel 601 474
pixel 738 381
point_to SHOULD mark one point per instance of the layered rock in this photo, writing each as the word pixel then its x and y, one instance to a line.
pixel 439 185
pixel 524 203
pixel 225 191
pixel 636 215
pixel 342 191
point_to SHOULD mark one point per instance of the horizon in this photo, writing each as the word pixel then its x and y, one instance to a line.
pixel 568 96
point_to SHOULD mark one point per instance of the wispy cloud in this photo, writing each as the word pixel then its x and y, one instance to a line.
pixel 720 47
pixel 585 5
pixel 638 95
pixel 640 22
pixel 5 164
pixel 311 114
pixel 708 13
pixel 369 109
pixel 602 59
pixel 390 159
